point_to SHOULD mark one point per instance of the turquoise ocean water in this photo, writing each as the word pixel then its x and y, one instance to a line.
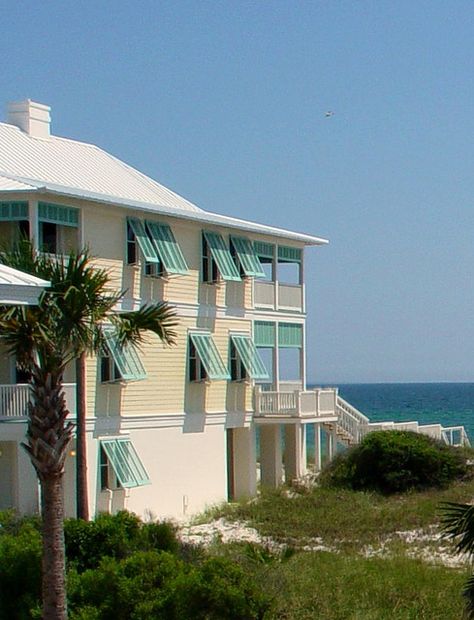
pixel 449 404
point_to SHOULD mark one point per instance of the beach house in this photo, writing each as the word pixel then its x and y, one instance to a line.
pixel 170 430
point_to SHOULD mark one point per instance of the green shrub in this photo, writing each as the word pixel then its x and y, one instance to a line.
pixel 396 461
pixel 116 536
pixel 160 585
pixel 20 568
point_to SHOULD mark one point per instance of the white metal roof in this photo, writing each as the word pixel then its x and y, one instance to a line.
pixel 70 168
pixel 19 288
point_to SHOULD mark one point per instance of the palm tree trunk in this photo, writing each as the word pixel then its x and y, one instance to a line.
pixel 82 503
pixel 47 442
pixel 53 560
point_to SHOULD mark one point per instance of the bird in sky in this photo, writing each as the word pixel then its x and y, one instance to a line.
pixel 329 113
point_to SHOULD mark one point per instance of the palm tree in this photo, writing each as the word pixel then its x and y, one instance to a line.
pixel 457 524
pixel 63 327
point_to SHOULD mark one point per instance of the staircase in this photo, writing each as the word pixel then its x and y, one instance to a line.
pixel 352 425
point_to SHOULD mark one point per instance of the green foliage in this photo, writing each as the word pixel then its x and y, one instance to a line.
pixel 396 461
pixel 20 567
pixel 116 536
pixel 160 585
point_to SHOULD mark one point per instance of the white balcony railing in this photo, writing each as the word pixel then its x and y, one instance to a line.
pixel 299 403
pixel 278 296
pixel 14 400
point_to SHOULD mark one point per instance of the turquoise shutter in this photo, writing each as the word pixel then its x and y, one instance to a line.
pixel 58 214
pixel 247 257
pixel 209 356
pixel 143 241
pixel 289 255
pixel 13 211
pixel 125 462
pixel 290 335
pixel 250 357
pixel 263 249
pixel 264 334
pixel 220 253
pixel 126 358
pixel 167 248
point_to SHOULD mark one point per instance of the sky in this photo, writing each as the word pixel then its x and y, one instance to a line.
pixel 225 103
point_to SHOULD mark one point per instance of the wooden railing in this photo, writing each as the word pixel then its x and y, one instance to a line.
pixel 14 400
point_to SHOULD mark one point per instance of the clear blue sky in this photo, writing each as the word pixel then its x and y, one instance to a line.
pixel 225 103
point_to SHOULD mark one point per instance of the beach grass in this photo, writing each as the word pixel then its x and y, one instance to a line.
pixel 385 558
pixel 343 518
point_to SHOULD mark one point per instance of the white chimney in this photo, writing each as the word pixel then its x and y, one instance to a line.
pixel 31 117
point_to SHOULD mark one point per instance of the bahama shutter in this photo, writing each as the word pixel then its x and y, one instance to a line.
pixel 168 250
pixel 247 257
pixel 249 356
pixel 143 240
pixel 13 211
pixel 125 462
pixel 125 357
pixel 58 214
pixel 222 256
pixel 290 335
pixel 209 356
pixel 289 255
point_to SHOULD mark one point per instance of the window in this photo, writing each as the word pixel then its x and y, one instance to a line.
pixel 48 237
pixel 121 457
pixel 108 369
pixel 245 257
pixel 203 354
pixel 217 259
pixel 108 480
pixel 237 368
pixel 154 270
pixel 245 361
pixel 58 228
pixel 197 372
pixel 132 252
pixel 119 363
pixel 209 265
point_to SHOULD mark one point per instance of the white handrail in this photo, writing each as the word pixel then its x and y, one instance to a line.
pixel 14 399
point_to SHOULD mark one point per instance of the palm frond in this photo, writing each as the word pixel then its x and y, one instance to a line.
pixel 158 318
pixel 457 524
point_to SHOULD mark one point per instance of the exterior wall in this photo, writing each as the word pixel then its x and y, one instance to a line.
pixel 179 429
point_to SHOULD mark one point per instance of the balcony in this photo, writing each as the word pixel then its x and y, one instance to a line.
pixel 14 400
pixel 317 405
pixel 277 296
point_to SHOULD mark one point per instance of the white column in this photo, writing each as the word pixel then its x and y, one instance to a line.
pixel 270 455
pixel 245 462
pixel 295 467
pixel 317 447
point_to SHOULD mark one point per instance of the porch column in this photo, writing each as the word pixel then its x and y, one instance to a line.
pixel 270 455
pixel 330 444
pixel 317 448
pixel 245 462
pixel 295 467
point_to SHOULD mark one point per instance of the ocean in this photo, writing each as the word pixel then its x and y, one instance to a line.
pixel 449 404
